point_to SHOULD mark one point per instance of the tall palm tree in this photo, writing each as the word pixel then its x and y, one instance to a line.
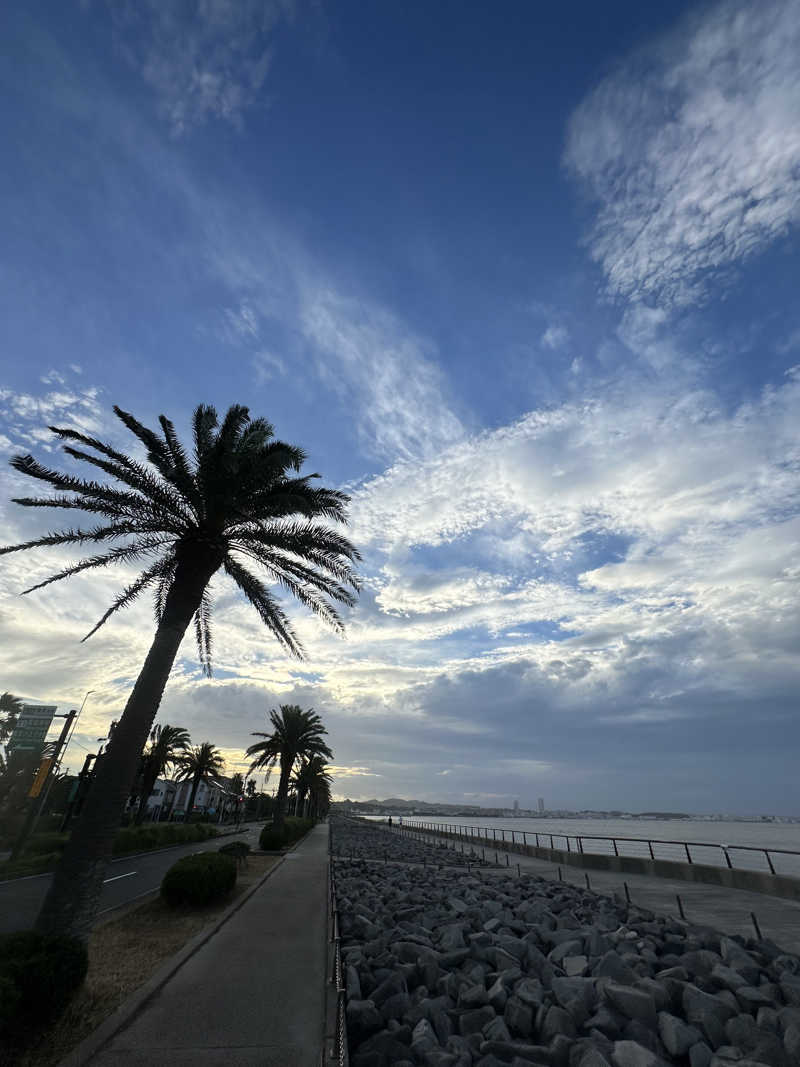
pixel 309 777
pixel 239 497
pixel 10 708
pixel 168 744
pixel 295 734
pixel 204 763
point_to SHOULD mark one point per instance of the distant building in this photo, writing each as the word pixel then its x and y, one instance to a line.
pixel 516 807
pixel 541 805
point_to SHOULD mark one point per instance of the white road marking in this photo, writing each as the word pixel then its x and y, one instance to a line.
pixel 118 876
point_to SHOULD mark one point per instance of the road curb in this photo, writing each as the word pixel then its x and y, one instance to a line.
pixel 125 1013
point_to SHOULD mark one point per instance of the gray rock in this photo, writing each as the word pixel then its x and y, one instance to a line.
pixel 451 937
pixel 566 948
pixel 677 1037
pixel 727 978
pixel 752 998
pixel 557 1021
pixel 441 1023
pixel 697 1006
pixel 496 1030
pixel 473 1021
pixel 742 1031
pixel 726 1054
pixel 474 996
pixel 363 1016
pixel 593 1058
pixel 530 991
pixel 700 1055
pixel 395 1006
pixel 791 1041
pixel 395 983
pixel 559 1049
pixel 790 987
pixel 498 995
pixel 631 1002
pixel 613 966
pixel 518 1017
pixel 569 989
pixel 608 1022
pixel 657 990
pixel 767 1019
pixel 423 1037
pixel 632 1054
pixel 575 965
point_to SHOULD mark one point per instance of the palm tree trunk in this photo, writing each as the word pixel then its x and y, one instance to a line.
pixel 192 795
pixel 72 899
pixel 148 783
pixel 283 791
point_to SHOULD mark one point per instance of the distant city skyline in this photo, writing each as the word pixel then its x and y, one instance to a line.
pixel 522 281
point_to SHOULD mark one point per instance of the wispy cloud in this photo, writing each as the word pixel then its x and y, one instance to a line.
pixel 202 58
pixel 554 337
pixel 692 150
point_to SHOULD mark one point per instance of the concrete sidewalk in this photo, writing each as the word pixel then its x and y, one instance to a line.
pixel 724 909
pixel 255 992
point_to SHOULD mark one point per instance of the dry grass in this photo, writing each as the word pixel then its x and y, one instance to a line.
pixel 123 954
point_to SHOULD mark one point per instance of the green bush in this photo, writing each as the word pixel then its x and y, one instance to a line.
pixel 38 975
pixel 27 865
pixel 199 879
pixel 239 850
pixel 272 839
pixel 159 835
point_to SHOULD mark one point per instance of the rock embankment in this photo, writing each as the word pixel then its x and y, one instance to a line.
pixel 449 969
pixel 357 839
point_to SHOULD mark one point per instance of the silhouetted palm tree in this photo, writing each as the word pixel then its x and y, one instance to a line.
pixel 204 763
pixel 168 744
pixel 308 778
pixel 10 707
pixel 239 497
pixel 296 734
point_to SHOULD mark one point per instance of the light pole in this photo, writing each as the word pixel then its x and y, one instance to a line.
pixel 57 763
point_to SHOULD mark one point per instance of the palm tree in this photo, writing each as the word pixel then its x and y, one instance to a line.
pixel 10 707
pixel 310 776
pixel 296 734
pixel 168 744
pixel 204 763
pixel 240 497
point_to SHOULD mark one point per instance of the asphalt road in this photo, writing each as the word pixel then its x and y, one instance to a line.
pixel 126 879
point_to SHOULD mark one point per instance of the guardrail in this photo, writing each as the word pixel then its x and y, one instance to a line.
pixel 499 837
pixel 340 1052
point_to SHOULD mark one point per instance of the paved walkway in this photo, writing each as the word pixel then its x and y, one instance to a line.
pixel 727 910
pixel 255 992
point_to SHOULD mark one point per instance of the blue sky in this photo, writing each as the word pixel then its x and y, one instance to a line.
pixel 524 282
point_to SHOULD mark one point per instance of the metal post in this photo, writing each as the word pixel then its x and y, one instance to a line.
pixel 769 862
pixel 580 845
pixel 680 905
pixel 614 843
pixel 757 927
pixel 727 857
pixel 627 892
pixel 688 853
pixel 568 848
pixel 559 875
pixel 551 841
pixel 519 872
pixel 650 846
pixel 586 876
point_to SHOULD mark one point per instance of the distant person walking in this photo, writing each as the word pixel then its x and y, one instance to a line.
pixel 390 820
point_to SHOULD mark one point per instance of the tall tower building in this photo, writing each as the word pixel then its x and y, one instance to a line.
pixel 516 806
pixel 541 805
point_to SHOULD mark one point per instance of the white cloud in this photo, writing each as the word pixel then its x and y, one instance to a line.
pixel 203 59
pixel 692 150
pixel 554 337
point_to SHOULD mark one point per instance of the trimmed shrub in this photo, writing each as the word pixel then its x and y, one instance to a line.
pixel 40 843
pixel 198 880
pixel 238 850
pixel 272 839
pixel 160 835
pixel 38 976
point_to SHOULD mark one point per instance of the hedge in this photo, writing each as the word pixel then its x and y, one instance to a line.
pixel 160 835
pixel 200 879
pixel 38 976
pixel 273 839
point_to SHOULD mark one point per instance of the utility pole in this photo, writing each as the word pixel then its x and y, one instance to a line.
pixel 34 808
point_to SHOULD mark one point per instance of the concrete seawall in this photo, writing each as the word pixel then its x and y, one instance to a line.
pixel 731 878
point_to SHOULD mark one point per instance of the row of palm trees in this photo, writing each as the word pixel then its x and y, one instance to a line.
pixel 236 500
pixel 295 743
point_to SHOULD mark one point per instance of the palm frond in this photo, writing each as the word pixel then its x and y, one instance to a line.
pixel 181 474
pixel 75 537
pixel 265 604
pixel 129 594
pixel 120 554
pixel 202 629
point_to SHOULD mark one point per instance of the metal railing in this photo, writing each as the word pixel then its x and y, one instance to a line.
pixel 677 851
pixel 340 1052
